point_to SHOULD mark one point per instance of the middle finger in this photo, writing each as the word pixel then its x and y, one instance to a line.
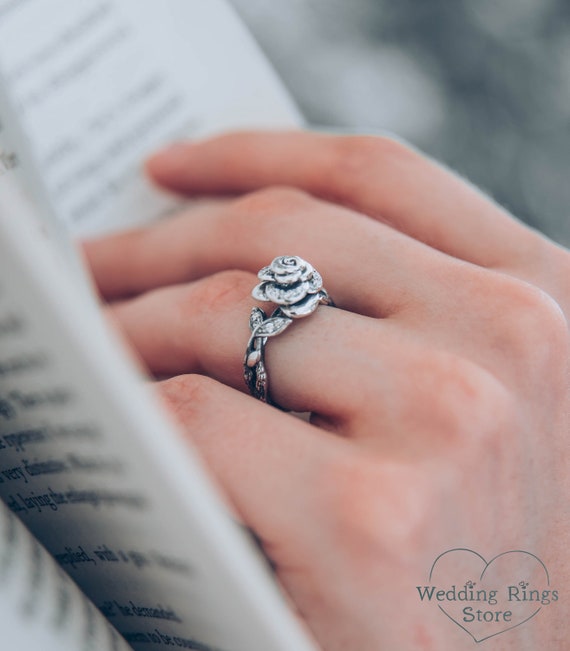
pixel 374 270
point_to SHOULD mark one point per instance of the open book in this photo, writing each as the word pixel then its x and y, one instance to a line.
pixel 112 535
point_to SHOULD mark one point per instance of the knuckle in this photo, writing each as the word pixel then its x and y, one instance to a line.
pixel 265 213
pixel 355 157
pixel 531 325
pixel 461 400
pixel 374 509
pixel 466 390
pixel 221 290
pixel 274 200
pixel 477 416
pixel 438 399
pixel 184 394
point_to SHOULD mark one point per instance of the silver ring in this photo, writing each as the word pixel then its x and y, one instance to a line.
pixel 297 288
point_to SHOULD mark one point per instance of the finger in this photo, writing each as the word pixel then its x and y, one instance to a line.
pixel 203 328
pixel 358 376
pixel 289 482
pixel 378 176
pixel 267 462
pixel 367 267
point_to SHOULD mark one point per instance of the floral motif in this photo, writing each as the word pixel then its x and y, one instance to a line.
pixel 297 289
pixel 293 284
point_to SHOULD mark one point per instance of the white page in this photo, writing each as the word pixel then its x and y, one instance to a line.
pixel 16 159
pixel 95 471
pixel 99 84
pixel 41 609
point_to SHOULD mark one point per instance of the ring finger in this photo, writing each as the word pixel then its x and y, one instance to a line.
pixel 202 327
pixel 348 370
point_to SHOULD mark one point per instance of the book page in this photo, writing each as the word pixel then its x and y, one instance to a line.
pixel 99 84
pixel 27 189
pixel 41 609
pixel 100 476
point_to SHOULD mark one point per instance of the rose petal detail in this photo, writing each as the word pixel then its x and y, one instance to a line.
pixel 289 269
pixel 302 308
pixel 258 292
pixel 287 263
pixel 286 295
pixel 290 281
pixel 315 282
pixel 266 274
pixel 289 278
pixel 308 271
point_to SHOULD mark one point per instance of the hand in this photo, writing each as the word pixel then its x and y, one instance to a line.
pixel 438 389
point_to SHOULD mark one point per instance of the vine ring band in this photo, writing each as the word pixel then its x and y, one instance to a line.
pixel 296 288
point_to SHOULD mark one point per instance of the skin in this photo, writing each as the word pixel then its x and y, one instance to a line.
pixel 438 387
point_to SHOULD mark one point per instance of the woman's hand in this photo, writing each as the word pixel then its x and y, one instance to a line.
pixel 438 388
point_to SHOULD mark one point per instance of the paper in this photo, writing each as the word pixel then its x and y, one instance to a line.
pixel 99 84
pixel 40 607
pixel 100 476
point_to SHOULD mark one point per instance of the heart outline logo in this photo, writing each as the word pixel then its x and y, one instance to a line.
pixel 487 564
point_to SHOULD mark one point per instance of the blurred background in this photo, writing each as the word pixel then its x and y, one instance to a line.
pixel 482 85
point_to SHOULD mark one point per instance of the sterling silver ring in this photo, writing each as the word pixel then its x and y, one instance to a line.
pixel 297 289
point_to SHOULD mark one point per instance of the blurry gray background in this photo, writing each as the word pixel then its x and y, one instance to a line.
pixel 483 85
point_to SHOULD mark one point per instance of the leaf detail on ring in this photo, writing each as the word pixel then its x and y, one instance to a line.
pixel 272 327
pixel 257 316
